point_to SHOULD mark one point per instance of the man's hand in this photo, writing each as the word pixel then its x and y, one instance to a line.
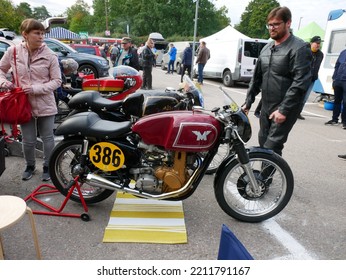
pixel 277 117
pixel 245 109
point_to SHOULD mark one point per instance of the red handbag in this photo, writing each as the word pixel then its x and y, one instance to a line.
pixel 15 107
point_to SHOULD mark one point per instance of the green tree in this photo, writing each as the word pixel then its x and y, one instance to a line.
pixel 9 17
pixel 40 13
pixel 253 20
pixel 79 18
pixel 24 10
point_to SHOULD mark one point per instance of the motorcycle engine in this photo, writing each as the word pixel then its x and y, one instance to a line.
pixel 164 173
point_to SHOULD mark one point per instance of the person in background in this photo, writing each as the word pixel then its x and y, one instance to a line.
pixel 339 85
pixel 172 56
pixel 155 53
pixel 148 62
pixel 39 75
pixel 186 61
pixel 103 52
pixel 114 54
pixel 282 85
pixel 317 56
pixel 128 55
pixel 202 58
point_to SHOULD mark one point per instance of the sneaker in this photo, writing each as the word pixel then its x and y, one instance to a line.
pixel 344 126
pixel 342 156
pixel 331 122
pixel 45 174
pixel 28 172
pixel 301 117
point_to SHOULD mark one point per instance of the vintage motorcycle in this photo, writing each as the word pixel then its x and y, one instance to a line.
pixel 165 156
pixel 143 103
pixel 126 80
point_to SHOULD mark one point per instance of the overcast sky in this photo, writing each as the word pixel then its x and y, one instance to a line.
pixel 303 11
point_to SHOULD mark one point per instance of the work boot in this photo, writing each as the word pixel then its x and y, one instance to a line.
pixel 28 172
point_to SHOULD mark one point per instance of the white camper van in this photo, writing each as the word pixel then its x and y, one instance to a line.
pixel 233 56
pixel 334 43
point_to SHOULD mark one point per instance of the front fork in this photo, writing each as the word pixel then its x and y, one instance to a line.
pixel 243 158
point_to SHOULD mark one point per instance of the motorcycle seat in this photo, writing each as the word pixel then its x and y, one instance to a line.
pixel 93 100
pixel 90 124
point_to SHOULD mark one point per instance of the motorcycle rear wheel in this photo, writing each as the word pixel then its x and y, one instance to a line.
pixel 63 165
pixel 234 195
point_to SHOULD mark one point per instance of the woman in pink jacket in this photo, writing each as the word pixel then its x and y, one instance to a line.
pixel 38 74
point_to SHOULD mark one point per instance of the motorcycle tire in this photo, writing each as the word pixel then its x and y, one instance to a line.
pixel 64 163
pixel 222 153
pixel 233 189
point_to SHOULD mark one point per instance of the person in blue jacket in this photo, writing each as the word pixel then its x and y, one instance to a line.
pixel 172 56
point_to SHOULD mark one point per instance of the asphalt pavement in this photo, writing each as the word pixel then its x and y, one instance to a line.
pixel 311 227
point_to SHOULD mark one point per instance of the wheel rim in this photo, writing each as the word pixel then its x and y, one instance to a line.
pixel 237 191
pixel 66 165
pixel 222 153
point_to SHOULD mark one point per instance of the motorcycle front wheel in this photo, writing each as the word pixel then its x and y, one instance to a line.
pixel 222 153
pixel 234 193
pixel 65 165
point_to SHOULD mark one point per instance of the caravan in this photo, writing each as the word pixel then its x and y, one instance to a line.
pixel 233 56
pixel 334 43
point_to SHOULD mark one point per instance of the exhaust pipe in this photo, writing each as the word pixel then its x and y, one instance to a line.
pixel 102 182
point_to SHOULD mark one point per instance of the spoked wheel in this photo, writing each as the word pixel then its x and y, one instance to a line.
pixel 236 197
pixel 222 153
pixel 64 166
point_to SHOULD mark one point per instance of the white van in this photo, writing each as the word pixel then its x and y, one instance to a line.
pixel 233 56
pixel 180 46
pixel 232 60
pixel 160 45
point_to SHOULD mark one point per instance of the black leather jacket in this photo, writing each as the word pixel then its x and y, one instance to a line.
pixel 283 75
pixel 148 57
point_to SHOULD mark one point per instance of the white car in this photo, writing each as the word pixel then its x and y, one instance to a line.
pixel 8 34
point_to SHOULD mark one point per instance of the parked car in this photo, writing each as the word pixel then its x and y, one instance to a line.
pixel 180 46
pixel 5 44
pixel 90 49
pixel 88 63
pixel 6 33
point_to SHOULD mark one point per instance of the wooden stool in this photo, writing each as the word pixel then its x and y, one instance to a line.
pixel 12 209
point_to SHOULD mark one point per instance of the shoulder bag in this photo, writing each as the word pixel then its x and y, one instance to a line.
pixel 15 107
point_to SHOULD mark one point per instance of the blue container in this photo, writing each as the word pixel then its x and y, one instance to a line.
pixel 328 105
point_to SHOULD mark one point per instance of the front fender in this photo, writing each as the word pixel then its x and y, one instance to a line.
pixel 232 157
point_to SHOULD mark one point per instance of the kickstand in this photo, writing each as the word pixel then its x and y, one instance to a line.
pixel 46 189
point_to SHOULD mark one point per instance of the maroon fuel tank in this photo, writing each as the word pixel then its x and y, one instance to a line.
pixel 179 130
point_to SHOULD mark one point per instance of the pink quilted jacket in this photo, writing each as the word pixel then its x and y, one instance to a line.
pixel 43 74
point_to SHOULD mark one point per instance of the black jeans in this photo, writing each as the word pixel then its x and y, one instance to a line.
pixel 188 68
pixel 339 98
pixel 273 136
pixel 147 77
